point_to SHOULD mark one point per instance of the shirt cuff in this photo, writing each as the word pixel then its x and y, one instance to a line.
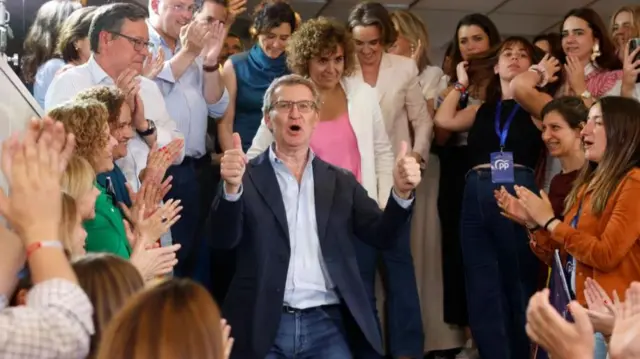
pixel 404 203
pixel 4 302
pixel 231 197
pixel 166 74
pixel 217 110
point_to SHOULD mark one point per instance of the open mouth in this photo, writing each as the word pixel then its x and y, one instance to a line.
pixel 587 144
pixel 295 128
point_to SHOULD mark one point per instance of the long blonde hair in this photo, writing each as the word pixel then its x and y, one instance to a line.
pixel 79 177
pixel 413 29
pixel 634 10
pixel 68 222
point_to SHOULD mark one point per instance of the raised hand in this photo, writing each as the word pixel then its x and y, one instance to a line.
pixel 560 338
pixel 461 73
pixel 601 309
pixel 153 66
pixel 160 159
pixel 631 68
pixel 214 43
pixel 227 340
pixel 150 229
pixel 129 83
pixel 33 174
pixel 152 260
pixel 511 207
pixel 194 36
pixel 538 207
pixel 625 340
pixel 232 166
pixel 234 9
pixel 406 174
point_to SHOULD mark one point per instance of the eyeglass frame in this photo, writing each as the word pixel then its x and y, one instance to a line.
pixel 313 107
pixel 137 43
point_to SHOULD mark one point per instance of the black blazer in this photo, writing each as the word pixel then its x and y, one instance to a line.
pixel 256 225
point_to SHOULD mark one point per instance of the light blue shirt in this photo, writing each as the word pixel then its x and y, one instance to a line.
pixel 185 98
pixel 44 76
pixel 308 283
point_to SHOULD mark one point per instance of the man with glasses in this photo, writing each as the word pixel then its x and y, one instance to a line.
pixel 297 290
pixel 119 40
pixel 193 89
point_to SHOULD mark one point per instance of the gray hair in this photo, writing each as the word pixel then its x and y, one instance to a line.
pixel 111 17
pixel 288 80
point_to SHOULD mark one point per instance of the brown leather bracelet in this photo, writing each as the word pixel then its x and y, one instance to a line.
pixel 211 68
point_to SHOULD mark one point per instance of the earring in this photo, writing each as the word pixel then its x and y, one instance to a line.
pixel 595 52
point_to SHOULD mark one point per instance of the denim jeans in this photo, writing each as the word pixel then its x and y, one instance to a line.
pixel 601 349
pixel 405 336
pixel 500 268
pixel 314 333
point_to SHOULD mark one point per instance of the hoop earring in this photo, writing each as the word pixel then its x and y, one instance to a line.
pixel 596 52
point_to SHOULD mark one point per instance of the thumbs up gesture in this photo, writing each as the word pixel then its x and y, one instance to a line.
pixel 232 166
pixel 406 174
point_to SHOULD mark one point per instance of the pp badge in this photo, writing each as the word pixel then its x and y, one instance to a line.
pixel 502 167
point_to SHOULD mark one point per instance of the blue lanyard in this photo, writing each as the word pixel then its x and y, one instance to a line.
pixel 505 130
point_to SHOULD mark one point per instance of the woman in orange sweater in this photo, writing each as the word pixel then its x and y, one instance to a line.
pixel 601 225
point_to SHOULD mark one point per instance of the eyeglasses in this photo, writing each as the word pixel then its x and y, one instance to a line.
pixel 286 106
pixel 138 44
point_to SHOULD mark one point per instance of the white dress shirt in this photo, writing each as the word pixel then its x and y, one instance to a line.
pixel 68 84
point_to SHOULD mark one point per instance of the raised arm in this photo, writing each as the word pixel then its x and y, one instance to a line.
pixel 225 125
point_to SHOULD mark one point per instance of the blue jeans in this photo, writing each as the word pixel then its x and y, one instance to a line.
pixel 405 335
pixel 314 333
pixel 601 349
pixel 500 268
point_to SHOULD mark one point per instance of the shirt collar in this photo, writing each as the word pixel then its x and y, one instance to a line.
pixel 97 73
pixel 157 40
pixel 275 160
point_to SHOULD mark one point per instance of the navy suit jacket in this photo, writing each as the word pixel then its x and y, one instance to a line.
pixel 256 225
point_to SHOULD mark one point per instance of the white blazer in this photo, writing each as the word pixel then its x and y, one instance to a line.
pixel 365 116
pixel 402 102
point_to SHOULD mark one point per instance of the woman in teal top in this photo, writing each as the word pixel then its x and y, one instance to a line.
pixel 248 75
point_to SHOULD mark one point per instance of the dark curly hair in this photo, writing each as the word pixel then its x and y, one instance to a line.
pixel 110 96
pixel 318 37
pixel 86 120
pixel 270 14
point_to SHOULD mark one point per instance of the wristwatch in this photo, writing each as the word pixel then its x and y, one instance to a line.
pixel 150 131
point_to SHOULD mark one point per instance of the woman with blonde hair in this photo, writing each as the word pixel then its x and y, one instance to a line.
pixel 109 281
pixel 426 234
pixel 175 319
pixel 625 25
pixel 106 229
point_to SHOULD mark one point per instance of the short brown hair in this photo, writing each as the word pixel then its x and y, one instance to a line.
pixel 110 96
pixel 374 14
pixel 315 38
pixel 176 318
pixel 86 120
pixel 74 28
pixel 109 282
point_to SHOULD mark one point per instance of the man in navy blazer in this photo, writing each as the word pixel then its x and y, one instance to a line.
pixel 292 219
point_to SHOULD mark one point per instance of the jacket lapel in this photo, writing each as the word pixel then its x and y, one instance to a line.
pixel 324 179
pixel 264 179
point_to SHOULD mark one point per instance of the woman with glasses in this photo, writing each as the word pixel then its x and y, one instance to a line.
pixel 248 75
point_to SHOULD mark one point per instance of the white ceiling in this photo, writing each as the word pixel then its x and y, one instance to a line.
pixel 512 17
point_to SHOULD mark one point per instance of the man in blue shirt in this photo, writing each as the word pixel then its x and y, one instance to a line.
pixel 193 90
pixel 293 219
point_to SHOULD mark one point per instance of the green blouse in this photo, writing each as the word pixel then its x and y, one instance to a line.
pixel 106 233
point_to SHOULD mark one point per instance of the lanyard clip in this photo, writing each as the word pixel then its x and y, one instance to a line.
pixel 501 149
